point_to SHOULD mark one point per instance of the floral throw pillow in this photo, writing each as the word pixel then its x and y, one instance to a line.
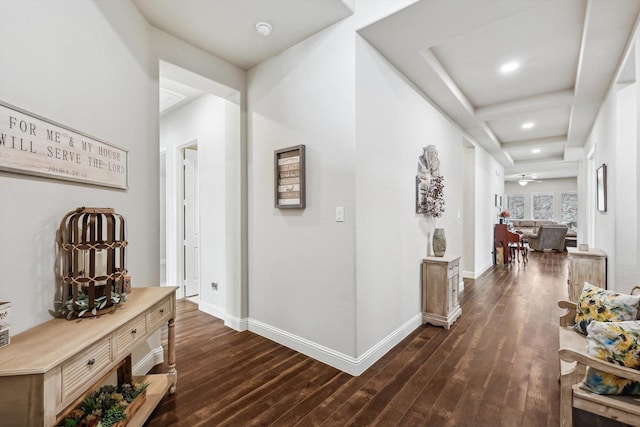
pixel 615 342
pixel 604 306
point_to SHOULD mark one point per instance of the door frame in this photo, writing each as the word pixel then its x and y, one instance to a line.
pixel 183 222
pixel 178 195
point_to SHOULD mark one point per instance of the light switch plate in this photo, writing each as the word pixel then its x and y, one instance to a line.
pixel 339 214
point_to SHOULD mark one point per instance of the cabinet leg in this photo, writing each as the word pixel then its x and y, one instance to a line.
pixel 173 375
pixel 125 375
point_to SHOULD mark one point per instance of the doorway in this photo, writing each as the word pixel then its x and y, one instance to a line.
pixel 190 223
pixel 202 135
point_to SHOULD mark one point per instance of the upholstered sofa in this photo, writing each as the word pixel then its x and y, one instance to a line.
pixel 530 227
pixel 549 236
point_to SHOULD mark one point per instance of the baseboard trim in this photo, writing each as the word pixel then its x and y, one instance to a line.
pixel 351 365
pixel 211 309
pixel 473 274
pixel 151 359
pixel 236 323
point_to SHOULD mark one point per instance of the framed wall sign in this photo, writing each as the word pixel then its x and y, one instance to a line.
pixel 601 188
pixel 33 145
pixel 289 174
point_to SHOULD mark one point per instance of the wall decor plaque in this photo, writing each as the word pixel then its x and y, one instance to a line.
pixel 289 174
pixel 33 145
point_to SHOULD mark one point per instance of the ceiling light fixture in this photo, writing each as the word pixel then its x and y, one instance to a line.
pixel 523 182
pixel 509 67
pixel 528 125
pixel 263 28
pixel 535 151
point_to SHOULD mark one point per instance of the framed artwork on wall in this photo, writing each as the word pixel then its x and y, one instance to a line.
pixel 542 206
pixel 515 206
pixel 569 209
pixel 289 174
pixel 601 188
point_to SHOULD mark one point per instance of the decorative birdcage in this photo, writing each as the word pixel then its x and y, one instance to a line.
pixel 92 244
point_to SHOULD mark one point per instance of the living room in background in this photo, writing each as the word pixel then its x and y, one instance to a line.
pixel 515 206
pixel 542 206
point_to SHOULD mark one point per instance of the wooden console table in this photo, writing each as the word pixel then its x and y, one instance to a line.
pixel 53 366
pixel 586 266
pixel 440 281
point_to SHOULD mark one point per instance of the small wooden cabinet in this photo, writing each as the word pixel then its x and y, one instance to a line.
pixel 440 281
pixel 50 368
pixel 586 266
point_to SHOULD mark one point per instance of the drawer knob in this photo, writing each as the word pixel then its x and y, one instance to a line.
pixel 91 362
pixel 162 311
pixel 134 331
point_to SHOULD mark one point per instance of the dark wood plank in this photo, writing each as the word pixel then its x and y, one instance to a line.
pixel 496 366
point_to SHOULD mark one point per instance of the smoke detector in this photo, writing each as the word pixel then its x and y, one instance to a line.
pixel 263 28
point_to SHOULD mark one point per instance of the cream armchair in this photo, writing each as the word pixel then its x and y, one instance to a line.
pixel 549 236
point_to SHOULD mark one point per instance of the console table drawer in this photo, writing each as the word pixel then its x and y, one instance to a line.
pixel 85 365
pixel 453 270
pixel 160 313
pixel 131 333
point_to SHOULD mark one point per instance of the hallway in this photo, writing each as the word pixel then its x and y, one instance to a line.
pixel 496 366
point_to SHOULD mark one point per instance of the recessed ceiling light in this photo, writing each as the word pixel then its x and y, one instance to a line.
pixel 528 125
pixel 509 67
pixel 535 150
pixel 263 28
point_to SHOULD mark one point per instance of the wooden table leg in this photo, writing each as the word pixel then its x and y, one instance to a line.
pixel 173 375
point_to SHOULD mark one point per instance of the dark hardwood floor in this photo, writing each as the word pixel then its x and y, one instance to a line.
pixel 496 366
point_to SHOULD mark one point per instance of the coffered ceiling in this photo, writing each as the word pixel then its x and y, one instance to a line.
pixel 567 52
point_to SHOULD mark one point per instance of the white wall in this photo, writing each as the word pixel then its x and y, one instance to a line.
pixel 93 66
pixel 302 265
pixel 88 66
pixel 555 186
pixel 393 124
pixel 183 62
pixel 468 265
pixel 488 181
pixel 625 178
pixel 350 290
pixel 202 121
pixel 614 139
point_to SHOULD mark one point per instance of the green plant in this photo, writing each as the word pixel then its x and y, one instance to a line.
pixel 104 407
pixel 69 309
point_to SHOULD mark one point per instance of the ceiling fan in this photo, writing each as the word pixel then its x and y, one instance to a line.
pixel 524 181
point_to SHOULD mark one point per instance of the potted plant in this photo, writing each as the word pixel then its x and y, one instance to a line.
pixel 108 406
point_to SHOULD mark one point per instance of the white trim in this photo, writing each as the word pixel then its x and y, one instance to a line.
pixel 153 358
pixel 237 323
pixel 232 322
pixel 473 274
pixel 212 310
pixel 351 365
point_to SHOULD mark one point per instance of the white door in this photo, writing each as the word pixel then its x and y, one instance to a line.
pixel 191 224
